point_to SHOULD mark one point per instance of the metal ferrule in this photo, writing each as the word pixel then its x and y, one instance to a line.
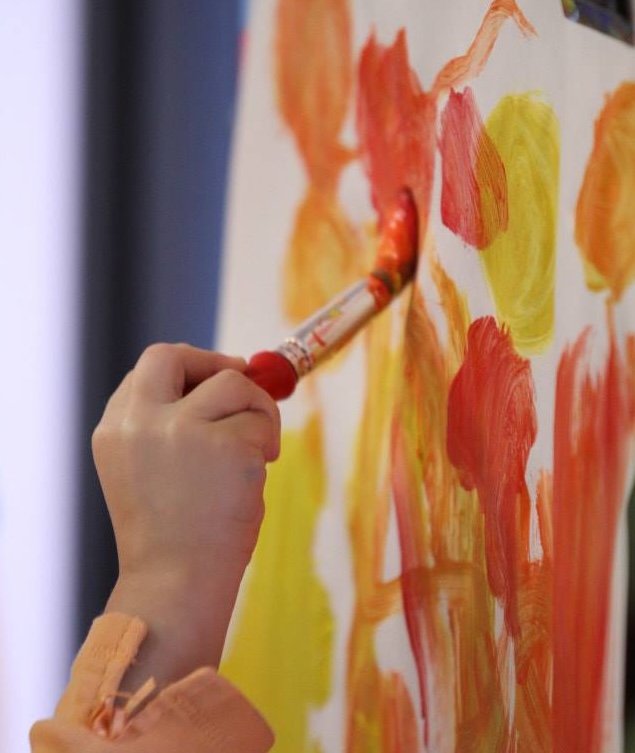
pixel 323 334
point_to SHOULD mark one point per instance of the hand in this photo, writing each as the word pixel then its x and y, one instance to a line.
pixel 181 454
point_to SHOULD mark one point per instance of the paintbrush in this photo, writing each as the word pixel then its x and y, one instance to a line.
pixel 323 334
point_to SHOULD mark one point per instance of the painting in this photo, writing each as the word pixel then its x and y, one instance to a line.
pixel 442 563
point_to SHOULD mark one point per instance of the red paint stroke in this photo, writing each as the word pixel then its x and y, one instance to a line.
pixel 593 423
pixel 474 185
pixel 396 126
pixel 399 721
pixel 466 67
pixel 491 427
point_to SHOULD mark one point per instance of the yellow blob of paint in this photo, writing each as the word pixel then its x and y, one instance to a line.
pixel 280 652
pixel 520 263
pixel 605 220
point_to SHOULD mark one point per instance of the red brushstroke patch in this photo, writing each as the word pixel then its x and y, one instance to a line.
pixel 474 185
pixel 491 428
pixel 593 423
pixel 396 126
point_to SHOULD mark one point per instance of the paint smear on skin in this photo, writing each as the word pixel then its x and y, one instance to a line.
pixel 280 654
pixel 396 126
pixel 324 255
pixel 474 185
pixel 520 264
pixel 605 221
pixel 492 425
pixel 592 445
pixel 314 76
pixel 379 708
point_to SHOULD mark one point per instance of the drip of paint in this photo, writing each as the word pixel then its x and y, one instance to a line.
pixel 474 186
pixel 593 424
pixel 605 221
pixel 280 652
pixel 520 263
pixel 492 426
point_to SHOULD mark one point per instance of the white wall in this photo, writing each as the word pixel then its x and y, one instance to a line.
pixel 40 130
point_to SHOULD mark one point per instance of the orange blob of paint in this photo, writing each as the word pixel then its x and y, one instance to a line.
pixel 605 221
pixel 314 75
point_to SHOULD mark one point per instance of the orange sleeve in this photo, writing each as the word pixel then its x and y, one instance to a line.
pixel 201 713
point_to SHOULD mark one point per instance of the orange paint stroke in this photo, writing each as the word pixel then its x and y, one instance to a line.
pixel 448 606
pixel 593 424
pixel 314 75
pixel 325 253
pixel 379 709
pixel 395 125
pixel 400 729
pixel 605 221
pixel 474 186
pixel 534 646
pixel 491 427
pixel 466 67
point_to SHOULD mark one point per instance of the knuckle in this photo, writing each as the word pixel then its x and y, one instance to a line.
pixel 230 379
pixel 159 353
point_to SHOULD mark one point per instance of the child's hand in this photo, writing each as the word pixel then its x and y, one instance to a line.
pixel 181 453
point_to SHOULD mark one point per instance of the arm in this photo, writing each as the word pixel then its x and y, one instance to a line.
pixel 181 454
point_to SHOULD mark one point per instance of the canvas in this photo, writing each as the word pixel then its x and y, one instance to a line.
pixel 442 563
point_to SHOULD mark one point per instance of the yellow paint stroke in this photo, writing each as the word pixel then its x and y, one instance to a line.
pixel 605 219
pixel 281 653
pixel 520 263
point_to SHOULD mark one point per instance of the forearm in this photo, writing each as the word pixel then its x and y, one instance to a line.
pixel 187 619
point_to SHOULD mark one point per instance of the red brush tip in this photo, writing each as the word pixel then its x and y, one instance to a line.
pixel 273 372
pixel 397 254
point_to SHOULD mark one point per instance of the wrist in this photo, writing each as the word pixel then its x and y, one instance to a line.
pixel 187 618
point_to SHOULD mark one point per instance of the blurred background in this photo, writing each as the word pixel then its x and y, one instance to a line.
pixel 115 140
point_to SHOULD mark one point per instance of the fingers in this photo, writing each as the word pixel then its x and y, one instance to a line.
pixel 254 429
pixel 166 372
pixel 202 385
pixel 230 393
